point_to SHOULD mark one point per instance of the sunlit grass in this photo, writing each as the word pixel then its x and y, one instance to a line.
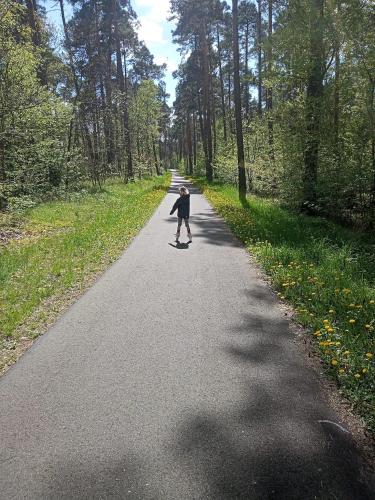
pixel 65 242
pixel 326 272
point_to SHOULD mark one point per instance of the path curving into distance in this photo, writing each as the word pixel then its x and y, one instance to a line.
pixel 174 377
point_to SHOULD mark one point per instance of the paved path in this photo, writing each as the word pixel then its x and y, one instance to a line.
pixel 174 377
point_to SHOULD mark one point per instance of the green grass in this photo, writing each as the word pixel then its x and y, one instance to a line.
pixel 64 244
pixel 326 272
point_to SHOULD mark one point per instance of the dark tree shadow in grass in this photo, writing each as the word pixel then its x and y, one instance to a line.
pixel 314 236
pixel 244 201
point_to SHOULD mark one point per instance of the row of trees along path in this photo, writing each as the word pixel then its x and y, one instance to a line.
pixel 85 106
pixel 289 87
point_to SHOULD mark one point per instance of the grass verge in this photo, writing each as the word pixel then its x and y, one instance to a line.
pixel 64 245
pixel 326 272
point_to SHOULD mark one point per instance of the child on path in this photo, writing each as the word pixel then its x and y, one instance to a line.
pixel 182 205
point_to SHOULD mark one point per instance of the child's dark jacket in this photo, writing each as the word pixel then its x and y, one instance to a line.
pixel 183 206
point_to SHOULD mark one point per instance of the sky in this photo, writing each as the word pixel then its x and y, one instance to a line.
pixel 154 30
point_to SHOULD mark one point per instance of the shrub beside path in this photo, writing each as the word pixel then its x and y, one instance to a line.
pixel 176 376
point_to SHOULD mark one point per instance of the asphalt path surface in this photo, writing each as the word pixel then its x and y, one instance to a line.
pixel 176 376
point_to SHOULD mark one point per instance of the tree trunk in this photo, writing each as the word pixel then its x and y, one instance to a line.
pixel 123 88
pixel 34 23
pixel 212 108
pixel 128 142
pixel 372 125
pixel 230 95
pixel 194 141
pixel 247 97
pixel 203 46
pixel 155 158
pixel 86 139
pixel 238 107
pixel 222 95
pixel 271 153
pixel 201 125
pixel 189 144
pixel 313 104
pixel 259 49
pixel 336 97
pixel 105 96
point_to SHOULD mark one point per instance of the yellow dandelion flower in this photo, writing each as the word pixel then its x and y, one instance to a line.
pixel 338 343
pixel 369 355
pixel 334 362
pixel 359 306
pixel 357 375
pixel 352 321
pixel 282 297
pixel 331 311
pixel 351 305
pixel 364 370
pixel 325 321
pixel 372 302
pixel 346 290
pixel 341 371
pixel 367 327
pixel 346 353
pixel 330 330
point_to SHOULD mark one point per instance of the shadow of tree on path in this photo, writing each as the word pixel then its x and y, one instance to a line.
pixel 280 440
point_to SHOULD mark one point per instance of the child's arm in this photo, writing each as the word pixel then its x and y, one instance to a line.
pixel 174 208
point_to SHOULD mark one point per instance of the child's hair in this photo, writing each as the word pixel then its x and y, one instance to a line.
pixel 183 190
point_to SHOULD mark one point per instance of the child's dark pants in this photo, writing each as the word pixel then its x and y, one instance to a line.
pixel 179 224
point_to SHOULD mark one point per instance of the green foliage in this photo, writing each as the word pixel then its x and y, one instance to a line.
pixel 145 112
pixel 34 121
pixel 64 117
pixel 326 272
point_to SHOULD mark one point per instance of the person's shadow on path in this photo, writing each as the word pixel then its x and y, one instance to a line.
pixel 179 245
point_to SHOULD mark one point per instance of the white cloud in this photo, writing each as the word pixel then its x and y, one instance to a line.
pixel 153 20
pixel 158 9
pixel 171 64
pixel 150 31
